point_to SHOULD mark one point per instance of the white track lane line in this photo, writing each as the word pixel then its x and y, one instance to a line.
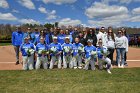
pixel 7 62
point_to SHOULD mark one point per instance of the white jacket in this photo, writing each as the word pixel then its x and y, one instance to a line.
pixel 102 36
pixel 121 42
pixel 110 42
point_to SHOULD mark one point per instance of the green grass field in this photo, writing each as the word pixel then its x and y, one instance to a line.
pixel 70 81
pixel 5 44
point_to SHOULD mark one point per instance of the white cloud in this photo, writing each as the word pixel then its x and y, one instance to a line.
pixel 51 15
pixel 136 10
pixel 27 3
pixel 7 16
pixel 29 21
pixel 15 11
pixel 69 21
pixel 102 10
pixel 4 4
pixel 59 2
pixel 135 19
pixel 42 10
pixel 110 21
pixel 120 1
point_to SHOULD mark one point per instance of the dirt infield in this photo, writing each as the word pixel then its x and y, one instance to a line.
pixel 7 58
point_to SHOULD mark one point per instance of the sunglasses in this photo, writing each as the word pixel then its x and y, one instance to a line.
pixel 109 32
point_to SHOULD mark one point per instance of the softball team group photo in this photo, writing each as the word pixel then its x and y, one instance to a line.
pixel 72 48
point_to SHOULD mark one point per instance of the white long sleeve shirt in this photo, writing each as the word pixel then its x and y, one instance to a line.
pixel 121 42
pixel 110 42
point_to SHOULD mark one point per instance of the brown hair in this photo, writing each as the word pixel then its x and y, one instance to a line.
pixel 112 34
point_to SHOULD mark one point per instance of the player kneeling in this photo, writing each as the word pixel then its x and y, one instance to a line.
pixel 67 53
pixel 102 57
pixel 27 49
pixel 55 50
pixel 42 52
pixel 90 54
pixel 78 50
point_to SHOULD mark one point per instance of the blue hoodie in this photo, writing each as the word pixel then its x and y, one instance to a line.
pixel 35 35
pixel 61 38
pixel 40 46
pixel 88 50
pixel 57 46
pixel 24 47
pixel 47 38
pixel 17 38
pixel 75 48
pixel 32 35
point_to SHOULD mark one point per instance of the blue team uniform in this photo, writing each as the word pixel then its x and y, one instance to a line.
pixel 40 46
pixel 99 50
pixel 88 50
pixel 35 35
pixel 47 39
pixel 31 35
pixel 24 47
pixel 57 46
pixel 67 45
pixel 75 48
pixel 61 38
pixel 17 37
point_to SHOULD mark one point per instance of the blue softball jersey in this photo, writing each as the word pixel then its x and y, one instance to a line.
pixel 75 48
pixel 66 45
pixel 24 47
pixel 99 50
pixel 61 38
pixel 57 46
pixel 88 50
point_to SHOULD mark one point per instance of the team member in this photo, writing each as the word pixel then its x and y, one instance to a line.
pixel 29 34
pixel 67 53
pixel 102 56
pixel 61 37
pixel 55 52
pixel 42 52
pixel 17 37
pixel 90 53
pixel 67 33
pixel 78 50
pixel 36 35
pixel 27 49
pixel 121 48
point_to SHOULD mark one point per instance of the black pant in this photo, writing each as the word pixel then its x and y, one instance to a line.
pixel 111 50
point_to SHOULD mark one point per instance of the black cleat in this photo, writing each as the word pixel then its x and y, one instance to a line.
pixel 17 63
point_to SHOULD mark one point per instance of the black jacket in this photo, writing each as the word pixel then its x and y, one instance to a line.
pixel 93 37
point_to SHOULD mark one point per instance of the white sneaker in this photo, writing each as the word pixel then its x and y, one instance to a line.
pixel 75 67
pixel 119 66
pixel 122 66
pixel 109 71
pixel 80 67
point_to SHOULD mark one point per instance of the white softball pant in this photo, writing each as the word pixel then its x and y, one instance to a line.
pixel 77 59
pixel 42 60
pixel 67 60
pixel 91 62
pixel 28 62
pixel 55 59
pixel 104 60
